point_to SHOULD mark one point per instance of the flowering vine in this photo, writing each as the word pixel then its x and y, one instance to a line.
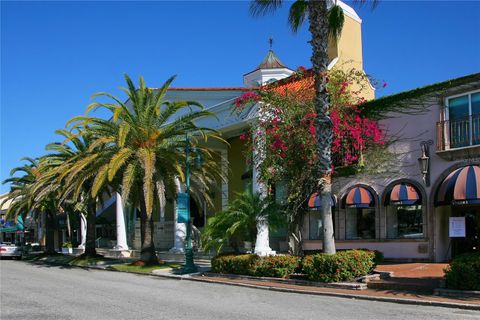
pixel 285 127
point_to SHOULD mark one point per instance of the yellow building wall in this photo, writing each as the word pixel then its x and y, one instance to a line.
pixel 217 191
pixel 237 167
pixel 349 50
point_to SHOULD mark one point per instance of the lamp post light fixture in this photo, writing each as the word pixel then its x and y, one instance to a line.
pixel 190 266
pixel 424 161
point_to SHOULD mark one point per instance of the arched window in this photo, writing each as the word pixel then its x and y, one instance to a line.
pixel 360 214
pixel 404 212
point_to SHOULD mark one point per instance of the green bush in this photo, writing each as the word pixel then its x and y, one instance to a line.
pixel 276 266
pixel 463 273
pixel 342 266
pixel 253 265
pixel 235 264
pixel 378 256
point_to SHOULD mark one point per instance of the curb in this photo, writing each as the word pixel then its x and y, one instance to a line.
pixel 197 277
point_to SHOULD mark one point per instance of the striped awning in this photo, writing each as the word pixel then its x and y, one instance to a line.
pixel 315 202
pixel 359 197
pixel 404 194
pixel 462 186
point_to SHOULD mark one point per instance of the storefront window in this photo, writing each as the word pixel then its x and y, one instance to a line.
pixel 360 223
pixel 315 225
pixel 404 222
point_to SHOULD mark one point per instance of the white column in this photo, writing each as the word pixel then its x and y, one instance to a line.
pixel 262 243
pixel 121 229
pixel 180 229
pixel 83 231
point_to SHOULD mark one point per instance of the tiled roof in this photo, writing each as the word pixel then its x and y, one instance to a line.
pixel 296 83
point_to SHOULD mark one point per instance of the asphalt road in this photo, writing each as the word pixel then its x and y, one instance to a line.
pixel 44 292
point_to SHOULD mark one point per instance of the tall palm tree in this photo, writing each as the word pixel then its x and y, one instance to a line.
pixel 143 147
pixel 324 22
pixel 25 199
pixel 69 168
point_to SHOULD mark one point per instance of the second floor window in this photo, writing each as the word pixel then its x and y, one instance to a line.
pixel 463 115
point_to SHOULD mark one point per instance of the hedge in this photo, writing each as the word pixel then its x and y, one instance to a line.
pixel 253 265
pixel 463 273
pixel 341 266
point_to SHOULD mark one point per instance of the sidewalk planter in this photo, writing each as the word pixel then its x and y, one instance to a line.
pixel 341 266
pixel 253 265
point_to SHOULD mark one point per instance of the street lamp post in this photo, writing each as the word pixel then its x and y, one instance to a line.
pixel 190 266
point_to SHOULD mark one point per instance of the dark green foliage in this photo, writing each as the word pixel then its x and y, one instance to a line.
pixel 335 21
pixel 378 256
pixel 235 264
pixel 238 222
pixel 253 265
pixel 341 266
pixel 463 273
pixel 277 266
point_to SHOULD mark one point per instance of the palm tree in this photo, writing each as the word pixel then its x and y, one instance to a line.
pixel 324 22
pixel 25 199
pixel 238 222
pixel 69 168
pixel 143 148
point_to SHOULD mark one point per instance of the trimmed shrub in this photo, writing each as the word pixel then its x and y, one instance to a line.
pixel 341 266
pixel 276 266
pixel 378 258
pixel 253 265
pixel 463 273
pixel 235 264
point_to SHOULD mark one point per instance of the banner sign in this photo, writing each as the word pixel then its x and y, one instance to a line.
pixel 456 227
pixel 183 206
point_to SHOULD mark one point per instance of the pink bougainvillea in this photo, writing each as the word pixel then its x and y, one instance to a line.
pixel 246 98
pixel 288 121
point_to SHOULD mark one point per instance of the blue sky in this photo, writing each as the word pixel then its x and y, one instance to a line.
pixel 54 55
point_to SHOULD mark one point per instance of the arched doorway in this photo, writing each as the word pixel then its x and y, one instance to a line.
pixel 457 212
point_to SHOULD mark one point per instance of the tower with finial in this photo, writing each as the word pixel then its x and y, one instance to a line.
pixel 269 70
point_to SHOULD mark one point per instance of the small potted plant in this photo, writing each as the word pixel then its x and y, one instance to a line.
pixel 67 247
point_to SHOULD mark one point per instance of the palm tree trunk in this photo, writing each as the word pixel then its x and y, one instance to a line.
pixel 148 254
pixel 90 250
pixel 50 233
pixel 294 237
pixel 69 228
pixel 318 18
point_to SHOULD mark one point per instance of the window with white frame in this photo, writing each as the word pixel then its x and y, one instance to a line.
pixel 463 119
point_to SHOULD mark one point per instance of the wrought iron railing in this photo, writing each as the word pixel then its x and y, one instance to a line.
pixel 458 133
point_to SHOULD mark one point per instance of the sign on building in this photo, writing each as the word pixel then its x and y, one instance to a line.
pixel 183 204
pixel 456 227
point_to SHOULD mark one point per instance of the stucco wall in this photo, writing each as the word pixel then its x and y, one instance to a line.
pixel 408 131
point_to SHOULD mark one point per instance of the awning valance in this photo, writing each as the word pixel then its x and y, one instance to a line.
pixel 359 197
pixel 315 202
pixel 462 186
pixel 404 194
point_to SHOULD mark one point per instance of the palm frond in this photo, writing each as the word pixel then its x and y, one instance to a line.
pixel 263 7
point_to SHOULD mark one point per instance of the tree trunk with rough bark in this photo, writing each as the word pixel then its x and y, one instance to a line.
pixel 50 233
pixel 294 237
pixel 90 249
pixel 318 18
pixel 148 255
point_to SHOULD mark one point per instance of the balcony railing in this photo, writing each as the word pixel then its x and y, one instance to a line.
pixel 458 133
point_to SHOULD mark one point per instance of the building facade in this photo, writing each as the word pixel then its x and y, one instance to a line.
pixel 411 209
